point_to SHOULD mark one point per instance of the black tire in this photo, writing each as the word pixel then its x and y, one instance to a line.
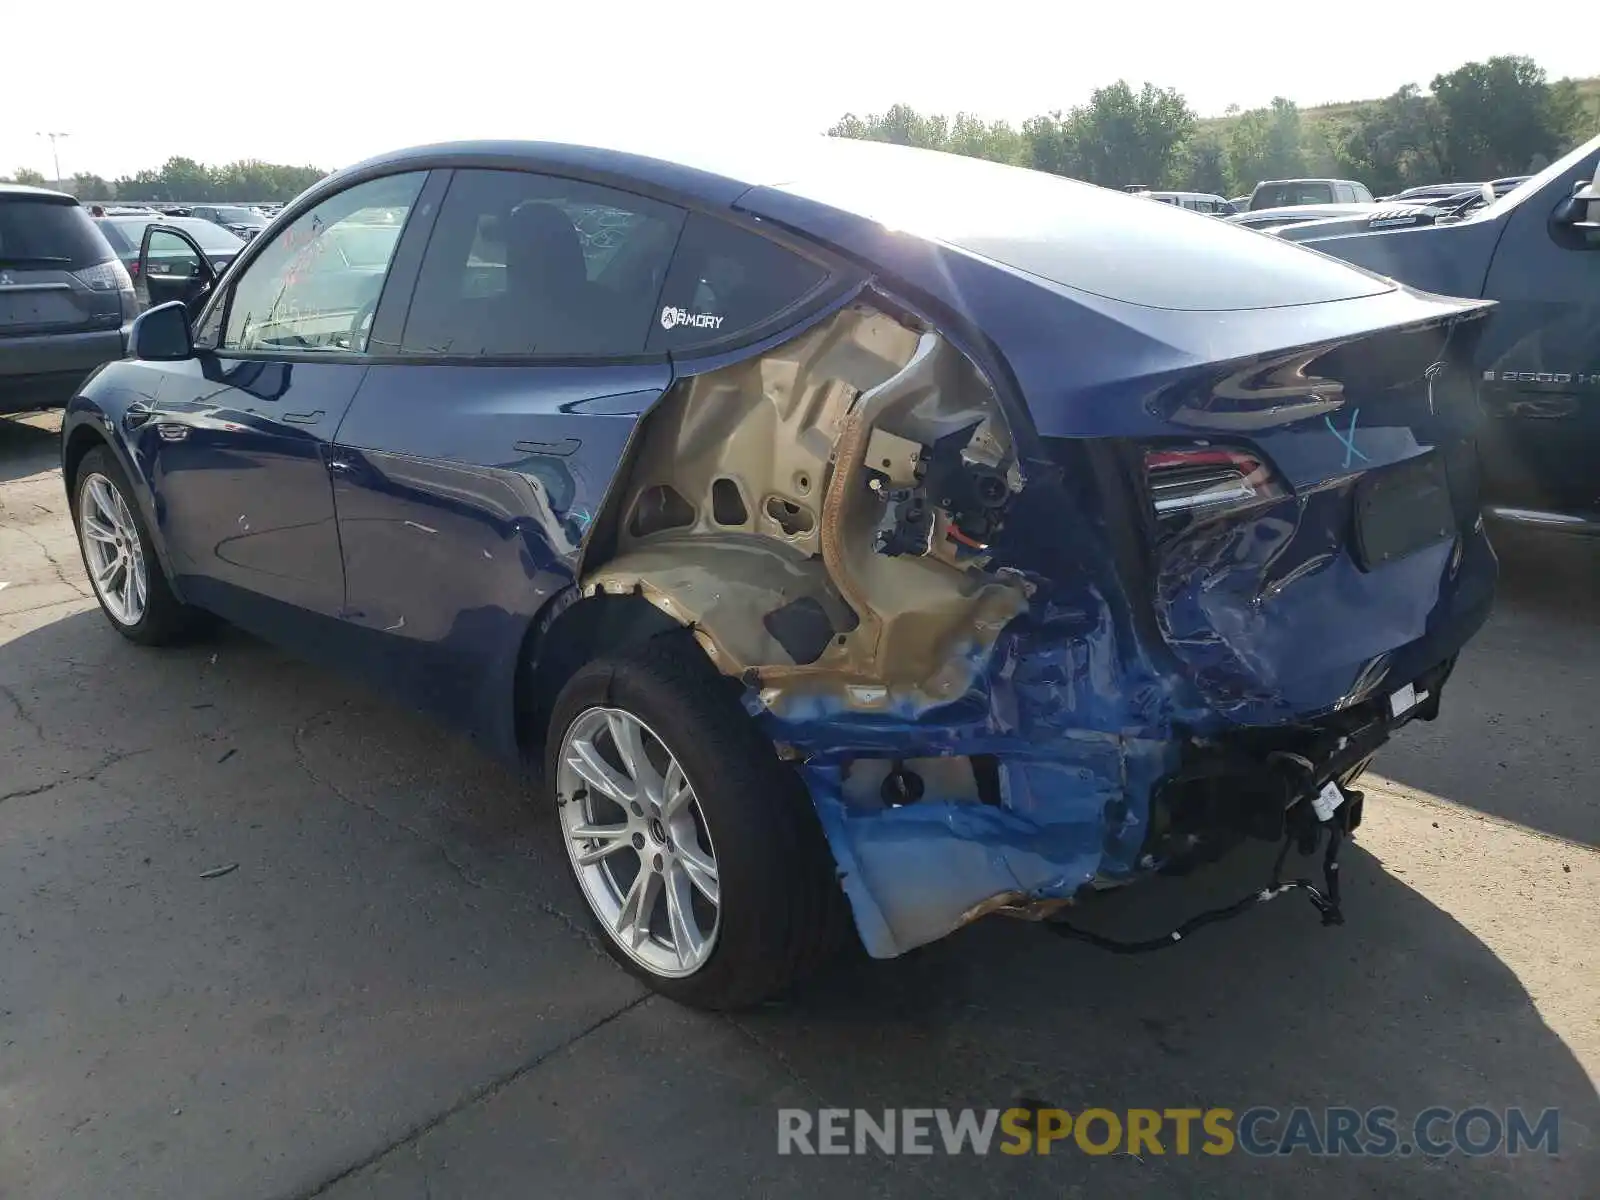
pixel 782 913
pixel 165 619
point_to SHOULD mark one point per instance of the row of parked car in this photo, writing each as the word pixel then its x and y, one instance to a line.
pixel 1285 201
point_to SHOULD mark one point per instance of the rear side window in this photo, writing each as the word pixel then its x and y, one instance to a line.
pixel 725 281
pixel 39 232
pixel 124 238
pixel 1280 195
pixel 1363 196
pixel 525 265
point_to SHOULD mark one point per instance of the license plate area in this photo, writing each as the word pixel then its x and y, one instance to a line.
pixel 1402 508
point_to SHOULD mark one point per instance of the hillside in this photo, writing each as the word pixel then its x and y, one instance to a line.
pixel 1589 89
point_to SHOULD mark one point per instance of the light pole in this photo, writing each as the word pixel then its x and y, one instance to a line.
pixel 55 155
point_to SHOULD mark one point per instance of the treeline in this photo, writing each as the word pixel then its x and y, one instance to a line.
pixel 185 179
pixel 1481 121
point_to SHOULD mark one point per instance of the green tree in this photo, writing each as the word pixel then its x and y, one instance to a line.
pixel 995 140
pixel 1267 143
pixel 901 124
pixel 30 177
pixel 1205 164
pixel 90 187
pixel 1125 137
pixel 1050 145
pixel 185 179
pixel 1392 143
pixel 1499 114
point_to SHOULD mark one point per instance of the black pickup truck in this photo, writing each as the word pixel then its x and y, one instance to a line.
pixel 1536 252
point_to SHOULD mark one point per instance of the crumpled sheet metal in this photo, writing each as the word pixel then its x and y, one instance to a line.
pixel 1237 601
pixel 1075 783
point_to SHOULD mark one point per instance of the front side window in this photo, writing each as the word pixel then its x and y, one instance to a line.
pixel 170 257
pixel 524 265
pixel 305 291
pixel 726 280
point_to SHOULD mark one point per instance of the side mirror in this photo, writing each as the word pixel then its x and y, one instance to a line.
pixel 1581 210
pixel 162 334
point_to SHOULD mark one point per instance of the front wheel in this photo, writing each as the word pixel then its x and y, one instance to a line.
pixel 119 557
pixel 694 848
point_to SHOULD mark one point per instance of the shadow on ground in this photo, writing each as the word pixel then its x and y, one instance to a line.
pixel 395 978
pixel 1516 737
pixel 28 444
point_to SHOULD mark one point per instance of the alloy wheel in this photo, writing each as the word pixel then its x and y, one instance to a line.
pixel 112 550
pixel 638 841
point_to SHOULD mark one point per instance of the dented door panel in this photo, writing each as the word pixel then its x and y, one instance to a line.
pixel 452 544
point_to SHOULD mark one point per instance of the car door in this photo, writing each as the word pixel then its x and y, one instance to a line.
pixel 171 266
pixel 480 445
pixel 235 440
pixel 1541 351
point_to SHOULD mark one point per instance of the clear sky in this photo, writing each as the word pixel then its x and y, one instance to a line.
pixel 330 83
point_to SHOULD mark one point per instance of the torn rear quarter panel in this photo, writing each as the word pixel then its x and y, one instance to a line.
pixel 752 515
pixel 822 517
pixel 846 524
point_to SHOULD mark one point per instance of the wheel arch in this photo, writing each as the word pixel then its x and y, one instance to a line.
pixel 88 427
pixel 571 630
pixel 83 438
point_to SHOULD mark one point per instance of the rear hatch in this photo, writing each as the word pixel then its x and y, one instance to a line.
pixel 1312 519
pixel 1296 434
pixel 57 272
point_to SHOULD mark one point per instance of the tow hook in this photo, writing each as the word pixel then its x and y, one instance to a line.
pixel 1332 809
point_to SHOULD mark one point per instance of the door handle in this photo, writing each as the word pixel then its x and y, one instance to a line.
pixel 310 418
pixel 137 414
pixel 341 465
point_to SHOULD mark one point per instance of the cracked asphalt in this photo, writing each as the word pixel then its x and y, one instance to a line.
pixel 264 935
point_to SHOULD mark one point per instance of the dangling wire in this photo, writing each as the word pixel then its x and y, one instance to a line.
pixel 1325 900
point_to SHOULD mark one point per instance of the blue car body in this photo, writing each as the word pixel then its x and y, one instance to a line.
pixel 452 527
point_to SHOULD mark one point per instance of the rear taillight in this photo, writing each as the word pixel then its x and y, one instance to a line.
pixel 1207 480
pixel 105 277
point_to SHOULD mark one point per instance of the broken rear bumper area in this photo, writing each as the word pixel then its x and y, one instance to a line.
pixel 925 845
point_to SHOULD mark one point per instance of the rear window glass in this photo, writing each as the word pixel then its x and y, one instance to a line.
pixel 208 235
pixel 1279 195
pixel 124 238
pixel 1088 238
pixel 126 234
pixel 725 280
pixel 520 264
pixel 49 233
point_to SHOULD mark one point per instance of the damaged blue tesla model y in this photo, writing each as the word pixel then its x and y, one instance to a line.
pixel 866 533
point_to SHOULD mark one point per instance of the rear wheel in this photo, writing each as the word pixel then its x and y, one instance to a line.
pixel 694 848
pixel 119 557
